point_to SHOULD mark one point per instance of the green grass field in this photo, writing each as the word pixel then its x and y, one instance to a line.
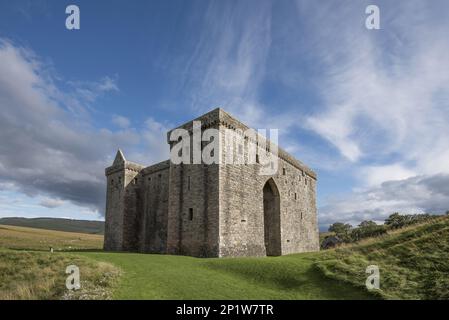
pixel 147 276
pixel 414 264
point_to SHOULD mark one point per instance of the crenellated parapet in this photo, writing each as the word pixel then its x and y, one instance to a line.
pixel 218 117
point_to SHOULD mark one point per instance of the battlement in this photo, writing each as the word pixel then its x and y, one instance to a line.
pixel 218 117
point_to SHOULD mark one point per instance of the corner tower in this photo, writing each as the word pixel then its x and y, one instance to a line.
pixel 120 216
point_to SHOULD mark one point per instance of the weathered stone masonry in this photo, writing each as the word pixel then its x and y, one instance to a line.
pixel 217 210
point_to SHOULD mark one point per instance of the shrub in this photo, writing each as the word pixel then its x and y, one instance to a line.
pixel 342 230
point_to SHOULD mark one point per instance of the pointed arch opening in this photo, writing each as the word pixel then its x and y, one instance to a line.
pixel 272 218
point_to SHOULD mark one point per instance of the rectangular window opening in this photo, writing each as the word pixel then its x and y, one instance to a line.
pixel 190 214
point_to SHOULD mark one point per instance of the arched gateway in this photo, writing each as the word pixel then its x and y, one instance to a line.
pixel 272 218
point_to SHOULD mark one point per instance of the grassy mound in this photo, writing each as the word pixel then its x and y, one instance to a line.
pixel 413 262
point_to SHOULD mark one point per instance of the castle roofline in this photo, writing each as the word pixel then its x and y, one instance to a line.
pixel 219 116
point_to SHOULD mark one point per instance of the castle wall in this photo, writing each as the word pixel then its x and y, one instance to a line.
pixel 241 208
pixel 242 213
pixel 193 204
pixel 192 220
pixel 115 206
pixel 154 212
pixel 133 209
pixel 299 226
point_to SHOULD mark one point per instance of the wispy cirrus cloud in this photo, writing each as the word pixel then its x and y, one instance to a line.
pixel 386 105
pixel 229 61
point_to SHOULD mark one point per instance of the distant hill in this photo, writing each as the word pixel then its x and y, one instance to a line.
pixel 68 225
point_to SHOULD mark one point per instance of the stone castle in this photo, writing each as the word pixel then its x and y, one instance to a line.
pixel 212 210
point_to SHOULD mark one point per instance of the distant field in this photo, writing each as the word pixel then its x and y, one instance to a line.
pixel 22 238
pixel 68 225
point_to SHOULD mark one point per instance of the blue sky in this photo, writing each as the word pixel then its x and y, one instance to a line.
pixel 367 109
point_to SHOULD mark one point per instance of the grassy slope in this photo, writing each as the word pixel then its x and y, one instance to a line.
pixel 413 263
pixel 67 225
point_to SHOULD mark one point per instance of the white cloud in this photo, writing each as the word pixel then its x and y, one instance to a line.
pixel 51 203
pixel 229 62
pixel 383 100
pixel 374 175
pixel 89 91
pixel 48 147
pixel 418 194
pixel 386 104
pixel 121 121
